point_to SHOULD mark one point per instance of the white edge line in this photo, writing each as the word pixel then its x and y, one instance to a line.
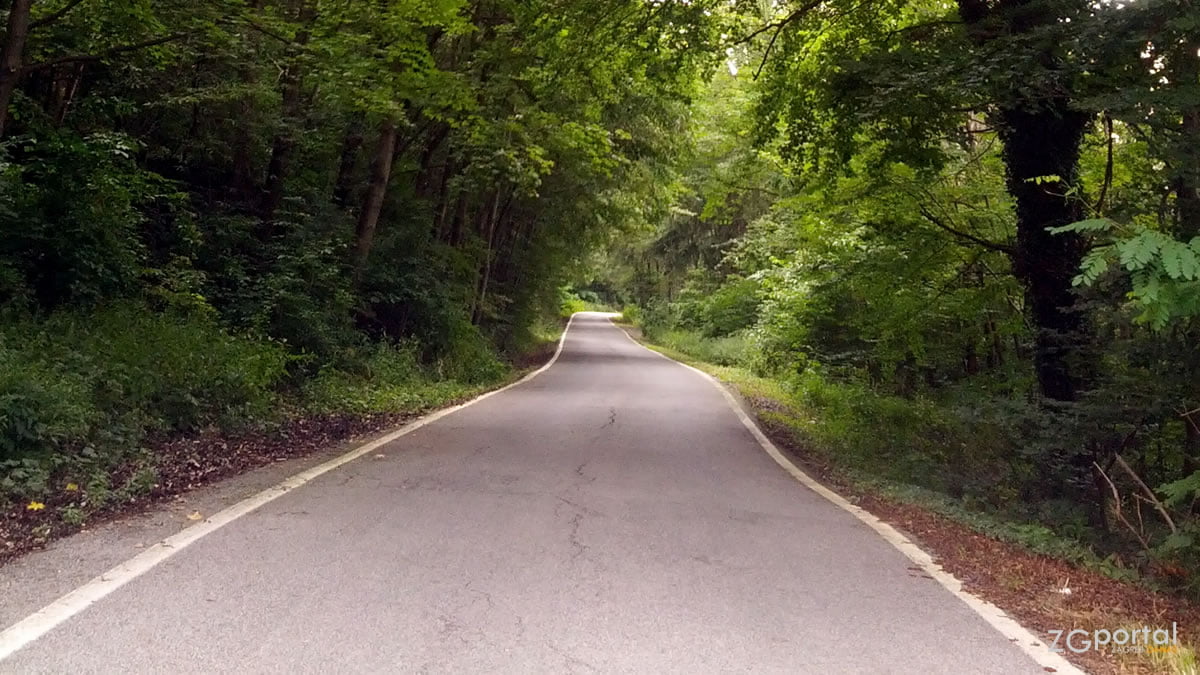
pixel 1018 635
pixel 45 619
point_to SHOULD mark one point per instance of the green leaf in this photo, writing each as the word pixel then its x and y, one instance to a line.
pixel 1089 225
pixel 1179 261
pixel 1094 264
pixel 1181 491
pixel 1137 252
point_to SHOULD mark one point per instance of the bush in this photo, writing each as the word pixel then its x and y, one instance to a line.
pixel 179 372
pixel 915 441
pixel 632 314
pixel 731 350
pixel 569 302
pixel 72 378
pixel 468 357
pixel 731 308
pixel 42 406
pixel 387 379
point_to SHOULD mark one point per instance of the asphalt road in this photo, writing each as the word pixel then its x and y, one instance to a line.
pixel 611 515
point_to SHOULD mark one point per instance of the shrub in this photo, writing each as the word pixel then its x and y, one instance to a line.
pixel 632 314
pixel 731 308
pixel 731 350
pixel 569 302
pixel 42 406
pixel 467 356
pixel 386 378
pixel 73 377
pixel 178 372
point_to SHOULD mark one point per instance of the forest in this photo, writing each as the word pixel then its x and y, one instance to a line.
pixel 268 216
pixel 959 240
pixel 958 246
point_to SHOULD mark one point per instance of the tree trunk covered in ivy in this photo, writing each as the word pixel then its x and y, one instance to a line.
pixel 12 57
pixel 1042 132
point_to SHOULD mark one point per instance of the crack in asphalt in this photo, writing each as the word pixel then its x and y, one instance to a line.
pixel 571 661
pixel 578 548
pixel 579 471
pixel 578 507
pixel 487 597
pixel 612 418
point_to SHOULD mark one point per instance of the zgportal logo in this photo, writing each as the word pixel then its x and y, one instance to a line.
pixel 1123 640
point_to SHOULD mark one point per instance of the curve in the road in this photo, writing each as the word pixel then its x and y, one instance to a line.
pixel 611 514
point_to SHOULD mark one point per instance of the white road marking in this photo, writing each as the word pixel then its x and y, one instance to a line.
pixel 45 619
pixel 1023 638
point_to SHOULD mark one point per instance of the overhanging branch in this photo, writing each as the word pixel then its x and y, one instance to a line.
pixel 990 245
pixel 100 56
pixel 56 15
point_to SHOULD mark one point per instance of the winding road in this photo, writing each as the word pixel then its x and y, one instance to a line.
pixel 612 514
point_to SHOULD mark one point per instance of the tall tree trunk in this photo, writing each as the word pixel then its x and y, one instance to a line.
pixel 352 142
pixel 488 233
pixel 1186 75
pixel 284 143
pixel 244 181
pixel 1041 134
pixel 12 57
pixel 1039 143
pixel 425 178
pixel 455 235
pixel 381 173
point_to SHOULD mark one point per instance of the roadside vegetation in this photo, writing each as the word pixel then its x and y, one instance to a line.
pixel 228 229
pixel 958 244
pixel 971 275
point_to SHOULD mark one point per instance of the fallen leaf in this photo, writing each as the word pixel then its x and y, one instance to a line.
pixel 194 515
pixel 35 506
pixel 72 487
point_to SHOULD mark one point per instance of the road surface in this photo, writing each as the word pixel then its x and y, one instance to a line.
pixel 611 515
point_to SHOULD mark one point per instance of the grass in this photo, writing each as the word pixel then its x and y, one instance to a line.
pixel 1178 661
pixel 85 400
pixel 729 350
pixel 879 444
pixel 871 444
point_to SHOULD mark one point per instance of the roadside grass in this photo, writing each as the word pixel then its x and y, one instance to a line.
pixel 869 450
pixel 1181 661
pixel 115 410
pixel 873 453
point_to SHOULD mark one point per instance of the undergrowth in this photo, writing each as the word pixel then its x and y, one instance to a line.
pixel 916 451
pixel 84 397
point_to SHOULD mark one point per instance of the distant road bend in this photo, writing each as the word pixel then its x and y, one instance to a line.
pixel 611 515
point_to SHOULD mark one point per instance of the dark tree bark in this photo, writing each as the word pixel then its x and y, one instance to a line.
pixel 425 173
pixel 1041 134
pixel 1039 143
pixel 12 56
pixel 284 144
pixel 1186 186
pixel 493 216
pixel 381 173
pixel 343 186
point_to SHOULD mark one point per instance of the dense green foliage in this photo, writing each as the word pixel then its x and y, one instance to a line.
pixel 963 238
pixel 221 213
pixel 962 242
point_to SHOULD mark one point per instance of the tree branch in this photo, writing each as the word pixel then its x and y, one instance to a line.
pixel 927 24
pixel 84 58
pixel 990 245
pixel 269 33
pixel 1150 497
pixel 1119 513
pixel 1108 166
pixel 778 26
pixel 56 15
pixel 796 15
